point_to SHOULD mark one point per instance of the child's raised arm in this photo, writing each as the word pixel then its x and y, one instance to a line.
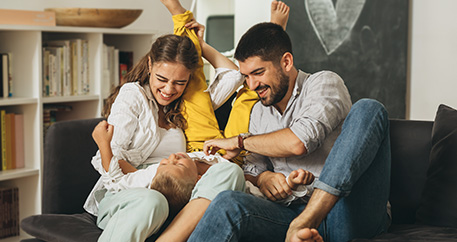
pixel 102 135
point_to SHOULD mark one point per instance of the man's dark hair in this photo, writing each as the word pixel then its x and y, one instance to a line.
pixel 268 41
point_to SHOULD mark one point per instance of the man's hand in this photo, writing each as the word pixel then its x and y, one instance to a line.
pixel 230 145
pixel 103 133
pixel 273 185
pixel 300 177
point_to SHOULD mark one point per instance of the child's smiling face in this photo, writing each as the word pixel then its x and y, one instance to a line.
pixel 179 165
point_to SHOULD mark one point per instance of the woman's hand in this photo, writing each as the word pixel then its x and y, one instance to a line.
pixel 199 30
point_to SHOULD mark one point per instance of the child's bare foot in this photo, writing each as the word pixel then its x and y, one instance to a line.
pixel 174 6
pixel 279 13
pixel 300 177
pixel 305 235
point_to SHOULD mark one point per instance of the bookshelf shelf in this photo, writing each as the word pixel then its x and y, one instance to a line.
pixel 25 44
pixel 10 101
pixel 16 238
pixel 18 173
pixel 70 99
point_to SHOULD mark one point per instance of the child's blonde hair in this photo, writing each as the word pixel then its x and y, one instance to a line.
pixel 176 191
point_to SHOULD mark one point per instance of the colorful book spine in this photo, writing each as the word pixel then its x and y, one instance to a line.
pixel 3 127
pixel 10 141
pixel 5 76
pixel 19 135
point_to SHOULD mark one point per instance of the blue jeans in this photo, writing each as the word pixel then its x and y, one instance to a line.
pixel 357 170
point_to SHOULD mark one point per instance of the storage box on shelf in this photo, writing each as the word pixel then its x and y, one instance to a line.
pixel 25 43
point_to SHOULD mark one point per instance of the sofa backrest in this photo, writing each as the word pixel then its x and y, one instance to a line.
pixel 411 145
pixel 68 175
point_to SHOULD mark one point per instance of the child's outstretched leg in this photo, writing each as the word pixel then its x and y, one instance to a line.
pixel 299 177
pixel 279 13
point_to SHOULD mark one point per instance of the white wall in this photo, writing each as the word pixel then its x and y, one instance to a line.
pixel 433 78
pixel 249 13
pixel 206 8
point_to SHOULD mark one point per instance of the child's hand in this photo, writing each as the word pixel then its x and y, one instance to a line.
pixel 300 177
pixel 103 133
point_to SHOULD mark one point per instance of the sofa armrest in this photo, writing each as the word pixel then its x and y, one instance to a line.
pixel 68 176
pixel 410 146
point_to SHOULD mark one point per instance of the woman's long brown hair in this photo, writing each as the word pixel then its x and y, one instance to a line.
pixel 167 48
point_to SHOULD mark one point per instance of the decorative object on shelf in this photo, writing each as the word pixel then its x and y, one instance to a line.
pixel 26 17
pixel 95 17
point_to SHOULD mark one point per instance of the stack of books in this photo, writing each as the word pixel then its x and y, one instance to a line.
pixel 12 140
pixel 50 112
pixel 9 215
pixel 116 64
pixel 66 68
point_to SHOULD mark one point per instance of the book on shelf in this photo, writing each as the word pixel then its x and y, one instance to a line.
pixel 3 137
pixel 12 140
pixel 19 135
pixel 116 64
pixel 6 75
pixel 50 114
pixel 66 67
pixel 45 71
pixel 9 205
pixel 27 17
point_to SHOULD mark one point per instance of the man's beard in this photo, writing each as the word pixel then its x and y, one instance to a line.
pixel 277 91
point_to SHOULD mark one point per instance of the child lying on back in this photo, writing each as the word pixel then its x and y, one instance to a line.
pixel 177 176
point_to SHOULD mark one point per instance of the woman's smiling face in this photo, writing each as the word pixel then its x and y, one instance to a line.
pixel 167 81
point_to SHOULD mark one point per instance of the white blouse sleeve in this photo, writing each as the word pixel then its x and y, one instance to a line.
pixel 134 118
pixel 225 83
pixel 130 123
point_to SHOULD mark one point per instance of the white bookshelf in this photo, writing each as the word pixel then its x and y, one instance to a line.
pixel 25 44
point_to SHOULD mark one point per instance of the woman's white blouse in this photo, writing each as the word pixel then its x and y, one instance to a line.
pixel 134 115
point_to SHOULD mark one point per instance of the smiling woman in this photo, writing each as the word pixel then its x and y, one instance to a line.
pixel 168 81
pixel 165 70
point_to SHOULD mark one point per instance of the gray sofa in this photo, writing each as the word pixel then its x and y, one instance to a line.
pixel 68 178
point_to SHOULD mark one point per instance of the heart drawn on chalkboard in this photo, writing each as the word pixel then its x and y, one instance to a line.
pixel 333 22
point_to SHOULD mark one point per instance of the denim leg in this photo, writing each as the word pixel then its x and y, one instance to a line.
pixel 237 216
pixel 358 170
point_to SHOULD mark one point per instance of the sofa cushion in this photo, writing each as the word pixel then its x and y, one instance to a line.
pixel 62 227
pixel 438 205
pixel 414 233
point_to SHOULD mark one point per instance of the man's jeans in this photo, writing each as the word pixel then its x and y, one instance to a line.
pixel 357 169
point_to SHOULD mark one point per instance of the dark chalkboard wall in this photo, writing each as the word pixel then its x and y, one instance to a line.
pixel 372 57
